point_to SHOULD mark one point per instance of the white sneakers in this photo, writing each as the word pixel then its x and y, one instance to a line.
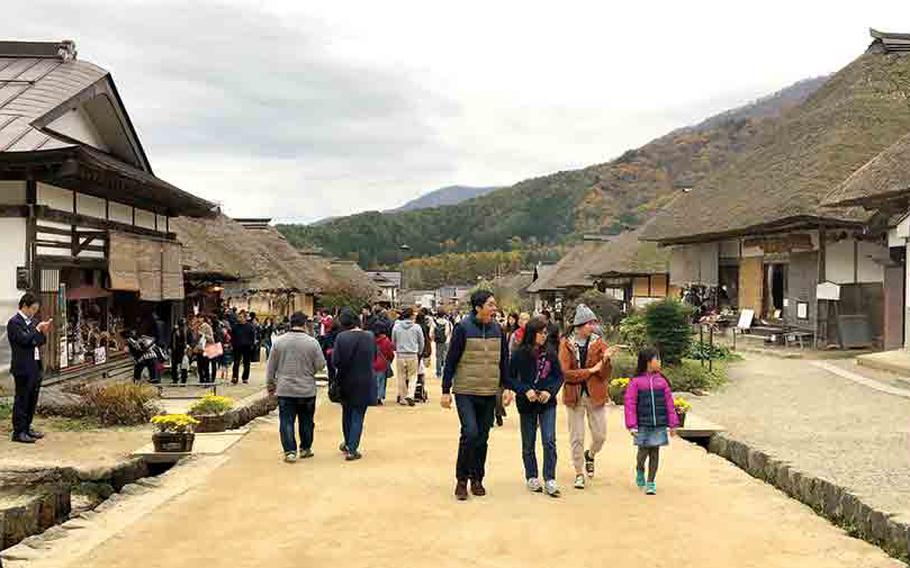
pixel 534 485
pixel 552 489
pixel 290 457
pixel 580 481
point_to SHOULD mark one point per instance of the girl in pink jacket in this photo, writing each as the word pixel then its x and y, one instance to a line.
pixel 649 412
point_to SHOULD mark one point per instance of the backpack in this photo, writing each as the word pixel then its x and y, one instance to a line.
pixel 439 332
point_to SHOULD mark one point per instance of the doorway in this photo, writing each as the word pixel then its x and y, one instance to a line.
pixel 775 290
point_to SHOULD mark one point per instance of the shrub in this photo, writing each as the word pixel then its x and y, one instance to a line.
pixel 624 365
pixel 119 404
pixel 668 328
pixel 633 331
pixel 212 404
pixel 706 351
pixel 617 390
pixel 691 376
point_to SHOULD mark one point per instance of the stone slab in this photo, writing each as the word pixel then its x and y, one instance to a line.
pixel 204 444
pixel 897 361
pixel 698 427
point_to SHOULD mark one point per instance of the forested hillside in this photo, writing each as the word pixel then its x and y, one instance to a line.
pixel 556 208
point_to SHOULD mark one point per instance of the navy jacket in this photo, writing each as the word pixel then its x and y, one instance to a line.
pixel 524 376
pixel 470 326
pixel 23 339
pixel 352 357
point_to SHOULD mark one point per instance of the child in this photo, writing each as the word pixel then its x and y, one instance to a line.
pixel 649 411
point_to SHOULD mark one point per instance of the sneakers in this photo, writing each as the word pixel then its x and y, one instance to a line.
pixel 552 489
pixel 534 485
pixel 640 479
pixel 409 401
pixel 343 448
pixel 589 464
pixel 650 488
pixel 304 454
pixel 461 490
pixel 579 481
pixel 353 456
pixel 477 488
pixel 290 457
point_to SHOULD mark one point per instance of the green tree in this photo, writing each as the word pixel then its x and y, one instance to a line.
pixel 667 322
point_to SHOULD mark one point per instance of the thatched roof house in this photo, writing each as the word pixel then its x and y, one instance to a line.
pixel 884 178
pixel 347 274
pixel 783 179
pixel 572 269
pixel 627 255
pixel 295 270
pixel 214 249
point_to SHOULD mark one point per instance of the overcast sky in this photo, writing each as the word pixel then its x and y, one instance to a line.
pixel 300 112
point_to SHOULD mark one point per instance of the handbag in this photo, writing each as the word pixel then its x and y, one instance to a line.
pixel 213 350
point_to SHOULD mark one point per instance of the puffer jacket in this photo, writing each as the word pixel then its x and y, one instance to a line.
pixel 649 403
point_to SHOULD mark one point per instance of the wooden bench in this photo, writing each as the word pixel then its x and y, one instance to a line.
pixel 169 385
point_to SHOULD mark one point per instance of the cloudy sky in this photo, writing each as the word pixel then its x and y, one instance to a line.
pixel 301 110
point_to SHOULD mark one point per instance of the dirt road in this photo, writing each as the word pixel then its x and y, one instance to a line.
pixel 395 507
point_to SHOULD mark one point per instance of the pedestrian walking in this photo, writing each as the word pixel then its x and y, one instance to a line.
pixel 441 335
pixel 352 357
pixel 243 339
pixel 179 343
pixel 424 321
pixel 268 333
pixel 145 357
pixel 650 411
pixel 536 377
pixel 293 363
pixel 585 359
pixel 385 354
pixel 208 351
pixel 476 367
pixel 25 338
pixel 407 337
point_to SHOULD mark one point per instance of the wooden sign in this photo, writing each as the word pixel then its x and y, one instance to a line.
pixel 827 291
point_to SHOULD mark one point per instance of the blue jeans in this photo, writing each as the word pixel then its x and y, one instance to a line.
pixel 301 410
pixel 442 350
pixel 381 380
pixel 476 415
pixel 352 425
pixel 546 419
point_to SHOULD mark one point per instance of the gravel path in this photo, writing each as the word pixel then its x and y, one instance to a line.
pixel 826 425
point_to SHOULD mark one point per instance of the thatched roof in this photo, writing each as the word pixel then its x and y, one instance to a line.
pixel 347 273
pixel 216 248
pixel 292 267
pixel 797 160
pixel 572 269
pixel 884 177
pixel 626 255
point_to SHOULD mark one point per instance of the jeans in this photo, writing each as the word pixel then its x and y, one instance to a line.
pixel 546 419
pixel 381 381
pixel 301 410
pixel 442 351
pixel 151 365
pixel 352 425
pixel 476 415
pixel 245 353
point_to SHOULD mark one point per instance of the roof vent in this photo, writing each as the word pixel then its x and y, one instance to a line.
pixel 891 41
pixel 67 50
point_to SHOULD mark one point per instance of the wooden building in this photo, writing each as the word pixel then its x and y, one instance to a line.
pixel 631 270
pixel 85 221
pixel 758 227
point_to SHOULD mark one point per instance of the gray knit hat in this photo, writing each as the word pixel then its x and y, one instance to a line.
pixel 583 314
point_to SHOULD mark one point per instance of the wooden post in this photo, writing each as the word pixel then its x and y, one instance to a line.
pixel 821 316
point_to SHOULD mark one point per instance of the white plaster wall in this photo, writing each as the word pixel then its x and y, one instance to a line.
pixel 162 222
pixel 76 124
pixel 839 262
pixel 121 213
pixel 90 205
pixel 55 197
pixel 145 219
pixel 871 257
pixel 12 254
pixel 12 192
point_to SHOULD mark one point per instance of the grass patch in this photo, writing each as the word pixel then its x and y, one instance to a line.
pixel 688 375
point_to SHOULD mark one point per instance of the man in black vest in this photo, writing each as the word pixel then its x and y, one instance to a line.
pixel 25 338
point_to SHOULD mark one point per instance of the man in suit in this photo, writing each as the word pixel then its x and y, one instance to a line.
pixel 25 337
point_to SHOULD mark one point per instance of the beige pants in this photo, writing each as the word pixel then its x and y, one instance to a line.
pixel 597 422
pixel 406 372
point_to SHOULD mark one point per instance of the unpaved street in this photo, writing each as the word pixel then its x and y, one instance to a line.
pixel 395 508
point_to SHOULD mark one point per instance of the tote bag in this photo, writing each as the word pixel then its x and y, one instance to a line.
pixel 213 350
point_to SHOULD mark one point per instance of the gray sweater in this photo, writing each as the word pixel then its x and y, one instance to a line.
pixel 407 337
pixel 293 363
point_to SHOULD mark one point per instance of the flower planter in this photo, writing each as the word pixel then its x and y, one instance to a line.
pixel 682 418
pixel 173 442
pixel 211 423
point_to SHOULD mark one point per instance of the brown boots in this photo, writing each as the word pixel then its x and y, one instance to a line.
pixel 461 489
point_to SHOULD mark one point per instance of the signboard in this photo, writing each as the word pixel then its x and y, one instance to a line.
pixel 827 291
pixel 100 355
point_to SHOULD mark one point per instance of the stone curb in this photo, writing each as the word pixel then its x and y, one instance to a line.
pixel 241 416
pixel 829 500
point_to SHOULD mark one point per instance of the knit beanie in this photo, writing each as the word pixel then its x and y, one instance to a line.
pixel 583 314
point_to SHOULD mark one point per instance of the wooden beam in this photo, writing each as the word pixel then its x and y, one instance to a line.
pixel 13 210
pixel 57 216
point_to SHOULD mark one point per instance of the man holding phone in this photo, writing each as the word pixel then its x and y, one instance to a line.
pixel 25 339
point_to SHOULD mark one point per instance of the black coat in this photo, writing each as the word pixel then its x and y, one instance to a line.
pixel 23 339
pixel 352 358
pixel 243 335
pixel 524 376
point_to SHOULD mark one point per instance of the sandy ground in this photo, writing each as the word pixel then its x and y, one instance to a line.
pixel 395 507
pixel 834 428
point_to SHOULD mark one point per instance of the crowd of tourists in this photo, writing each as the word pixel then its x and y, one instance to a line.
pixel 484 363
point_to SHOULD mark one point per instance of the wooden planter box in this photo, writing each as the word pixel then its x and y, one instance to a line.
pixel 211 423
pixel 682 418
pixel 173 442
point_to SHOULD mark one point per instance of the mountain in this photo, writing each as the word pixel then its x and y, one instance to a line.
pixel 557 208
pixel 450 195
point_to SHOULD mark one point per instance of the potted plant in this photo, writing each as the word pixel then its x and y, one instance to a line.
pixel 617 390
pixel 682 407
pixel 173 432
pixel 210 412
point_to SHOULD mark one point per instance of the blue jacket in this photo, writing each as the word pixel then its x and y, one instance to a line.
pixel 470 326
pixel 524 375
pixel 23 339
